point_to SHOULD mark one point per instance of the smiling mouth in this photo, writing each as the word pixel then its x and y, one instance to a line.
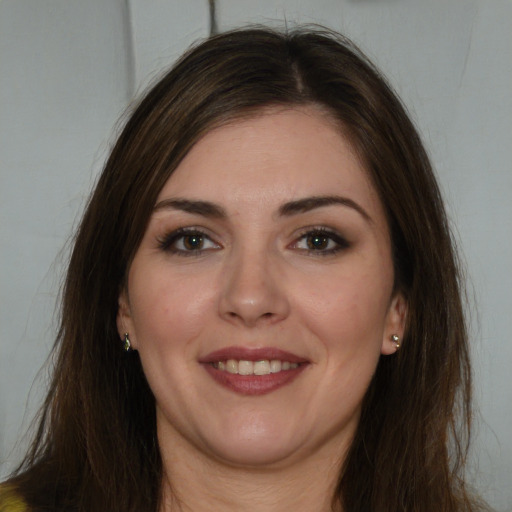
pixel 263 367
pixel 253 371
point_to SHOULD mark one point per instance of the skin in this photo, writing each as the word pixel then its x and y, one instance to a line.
pixel 257 283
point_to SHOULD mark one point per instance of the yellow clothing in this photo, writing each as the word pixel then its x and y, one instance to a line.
pixel 10 501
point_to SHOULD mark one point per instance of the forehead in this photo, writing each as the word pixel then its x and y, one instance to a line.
pixel 270 158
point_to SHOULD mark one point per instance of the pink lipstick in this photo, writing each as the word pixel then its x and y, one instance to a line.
pixel 253 371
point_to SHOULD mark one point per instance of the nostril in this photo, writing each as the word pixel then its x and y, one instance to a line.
pixel 233 314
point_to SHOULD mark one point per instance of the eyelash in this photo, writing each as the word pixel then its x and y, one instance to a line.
pixel 168 242
pixel 321 232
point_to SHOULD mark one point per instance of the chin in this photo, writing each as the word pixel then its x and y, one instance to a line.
pixel 260 453
pixel 255 443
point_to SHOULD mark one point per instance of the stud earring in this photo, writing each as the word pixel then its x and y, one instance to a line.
pixel 127 343
pixel 396 340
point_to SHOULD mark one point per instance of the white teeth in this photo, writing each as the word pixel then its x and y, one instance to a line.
pixel 275 366
pixel 232 366
pixel 245 367
pixel 263 367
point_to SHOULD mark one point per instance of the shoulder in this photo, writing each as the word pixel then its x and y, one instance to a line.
pixel 11 501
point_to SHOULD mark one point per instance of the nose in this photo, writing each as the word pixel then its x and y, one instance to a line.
pixel 253 290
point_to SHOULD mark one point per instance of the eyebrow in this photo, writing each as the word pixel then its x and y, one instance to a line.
pixel 204 208
pixel 311 203
pixel 306 204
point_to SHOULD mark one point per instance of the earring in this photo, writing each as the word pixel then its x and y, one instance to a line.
pixel 396 340
pixel 127 345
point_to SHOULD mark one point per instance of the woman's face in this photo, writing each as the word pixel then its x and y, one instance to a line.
pixel 261 296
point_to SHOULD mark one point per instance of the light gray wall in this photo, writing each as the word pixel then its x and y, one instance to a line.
pixel 68 68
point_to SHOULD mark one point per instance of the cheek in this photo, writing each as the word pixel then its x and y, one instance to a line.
pixel 347 312
pixel 168 311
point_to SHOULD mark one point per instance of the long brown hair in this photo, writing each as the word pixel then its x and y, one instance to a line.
pixel 96 449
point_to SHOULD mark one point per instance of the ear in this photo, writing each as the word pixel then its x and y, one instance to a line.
pixel 124 318
pixel 395 324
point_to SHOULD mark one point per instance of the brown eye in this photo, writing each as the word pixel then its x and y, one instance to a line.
pixel 187 242
pixel 318 241
pixel 321 242
pixel 193 242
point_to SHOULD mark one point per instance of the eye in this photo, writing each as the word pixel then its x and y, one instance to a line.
pixel 320 241
pixel 187 241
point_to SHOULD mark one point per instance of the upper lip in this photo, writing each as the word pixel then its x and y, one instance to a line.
pixel 251 354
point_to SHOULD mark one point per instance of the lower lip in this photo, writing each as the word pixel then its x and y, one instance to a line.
pixel 254 384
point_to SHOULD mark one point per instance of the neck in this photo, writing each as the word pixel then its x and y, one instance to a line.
pixel 191 480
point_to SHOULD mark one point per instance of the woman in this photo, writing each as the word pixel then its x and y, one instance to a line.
pixel 268 242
